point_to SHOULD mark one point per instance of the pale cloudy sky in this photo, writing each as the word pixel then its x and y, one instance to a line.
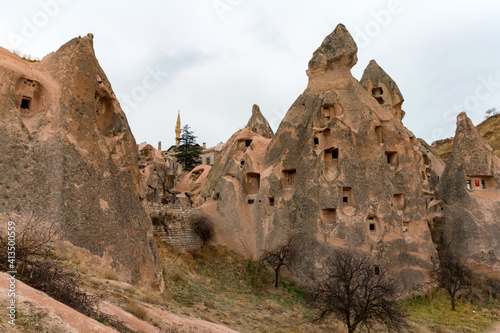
pixel 214 59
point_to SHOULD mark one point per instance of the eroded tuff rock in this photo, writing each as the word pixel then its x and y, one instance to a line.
pixel 383 88
pixel 470 191
pixel 69 157
pixel 329 68
pixel 341 170
pixel 156 170
pixel 258 123
pixel 232 190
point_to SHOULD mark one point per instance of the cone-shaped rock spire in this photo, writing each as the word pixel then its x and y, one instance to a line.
pixel 469 187
pixel 383 88
pixel 329 68
pixel 258 123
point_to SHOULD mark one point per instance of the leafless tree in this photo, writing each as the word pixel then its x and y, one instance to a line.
pixel 281 256
pixel 450 273
pixel 165 176
pixel 351 288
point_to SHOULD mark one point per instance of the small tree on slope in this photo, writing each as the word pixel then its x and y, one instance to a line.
pixel 351 289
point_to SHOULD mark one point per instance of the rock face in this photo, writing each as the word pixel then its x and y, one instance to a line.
pixel 470 191
pixel 157 171
pixel 192 182
pixel 383 88
pixel 341 170
pixel 258 124
pixel 232 189
pixel 69 157
pixel 489 130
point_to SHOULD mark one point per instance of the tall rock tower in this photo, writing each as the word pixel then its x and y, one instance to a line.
pixel 341 171
pixel 73 160
pixel 178 130
pixel 469 188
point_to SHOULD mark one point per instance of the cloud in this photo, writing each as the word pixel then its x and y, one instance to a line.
pixel 220 63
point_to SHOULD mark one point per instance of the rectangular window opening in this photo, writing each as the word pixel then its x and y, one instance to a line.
pixel 329 215
pixel 289 178
pixel 251 201
pixel 347 196
pixel 271 201
pixel 25 103
pixel 379 133
pixel 392 158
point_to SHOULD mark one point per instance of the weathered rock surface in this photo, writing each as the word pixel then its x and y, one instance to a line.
pixel 489 130
pixel 68 156
pixel 42 313
pixel 470 191
pixel 341 170
pixel 383 88
pixel 193 181
pixel 157 171
pixel 232 190
pixel 258 123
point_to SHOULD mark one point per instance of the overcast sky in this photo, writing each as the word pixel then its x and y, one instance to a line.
pixel 214 59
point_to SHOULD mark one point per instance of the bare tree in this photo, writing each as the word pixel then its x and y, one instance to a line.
pixel 165 176
pixel 451 274
pixel 353 289
pixel 281 256
pixel 37 265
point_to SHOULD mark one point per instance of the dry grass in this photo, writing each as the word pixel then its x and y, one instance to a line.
pixel 219 286
pixel 109 275
pixel 433 312
pixel 136 309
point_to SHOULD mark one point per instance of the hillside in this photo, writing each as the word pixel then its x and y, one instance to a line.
pixel 489 129
pixel 214 290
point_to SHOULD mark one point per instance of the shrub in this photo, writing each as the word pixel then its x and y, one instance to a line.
pixel 203 227
pixel 38 266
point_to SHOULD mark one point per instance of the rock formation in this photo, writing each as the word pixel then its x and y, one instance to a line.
pixel 232 188
pixel 341 170
pixel 69 157
pixel 258 123
pixel 469 188
pixel 157 171
pixel 383 88
pixel 192 182
pixel 489 130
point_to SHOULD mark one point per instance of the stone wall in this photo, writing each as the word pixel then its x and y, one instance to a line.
pixel 172 225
